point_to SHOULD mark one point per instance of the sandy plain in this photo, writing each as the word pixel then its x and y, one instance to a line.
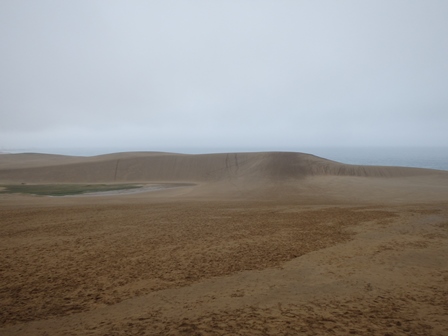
pixel 252 244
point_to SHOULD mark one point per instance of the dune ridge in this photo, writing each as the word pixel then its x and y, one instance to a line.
pixel 157 166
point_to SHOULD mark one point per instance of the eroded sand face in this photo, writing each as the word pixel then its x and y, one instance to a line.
pixel 222 267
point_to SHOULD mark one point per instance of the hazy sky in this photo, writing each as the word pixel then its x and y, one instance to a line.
pixel 164 75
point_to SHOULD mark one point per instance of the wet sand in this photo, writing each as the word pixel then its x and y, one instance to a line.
pixel 143 189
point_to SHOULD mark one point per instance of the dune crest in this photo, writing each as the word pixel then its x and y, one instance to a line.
pixel 153 166
pixel 257 176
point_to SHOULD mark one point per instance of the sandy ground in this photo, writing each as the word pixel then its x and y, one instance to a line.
pixel 222 268
pixel 252 251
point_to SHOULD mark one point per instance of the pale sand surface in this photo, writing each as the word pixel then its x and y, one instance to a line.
pixel 259 249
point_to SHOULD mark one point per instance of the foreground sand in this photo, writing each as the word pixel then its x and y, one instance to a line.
pixel 224 268
pixel 321 255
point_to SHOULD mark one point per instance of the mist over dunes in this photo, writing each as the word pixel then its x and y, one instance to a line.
pixel 156 166
pixel 247 234
pixel 258 175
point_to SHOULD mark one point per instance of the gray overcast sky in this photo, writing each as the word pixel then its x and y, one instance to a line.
pixel 158 75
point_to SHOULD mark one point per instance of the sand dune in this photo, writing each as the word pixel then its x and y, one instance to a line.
pixel 256 244
pixel 138 167
pixel 264 175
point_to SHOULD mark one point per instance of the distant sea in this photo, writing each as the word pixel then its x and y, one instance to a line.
pixel 422 157
pixel 430 157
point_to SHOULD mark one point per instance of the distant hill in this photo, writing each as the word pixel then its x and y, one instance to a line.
pixel 232 175
pixel 152 166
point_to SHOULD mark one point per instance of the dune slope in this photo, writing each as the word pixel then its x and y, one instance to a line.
pixel 128 167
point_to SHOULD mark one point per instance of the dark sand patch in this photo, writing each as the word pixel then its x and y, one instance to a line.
pixel 65 189
pixel 142 189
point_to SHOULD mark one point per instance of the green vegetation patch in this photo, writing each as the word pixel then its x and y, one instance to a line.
pixel 63 189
